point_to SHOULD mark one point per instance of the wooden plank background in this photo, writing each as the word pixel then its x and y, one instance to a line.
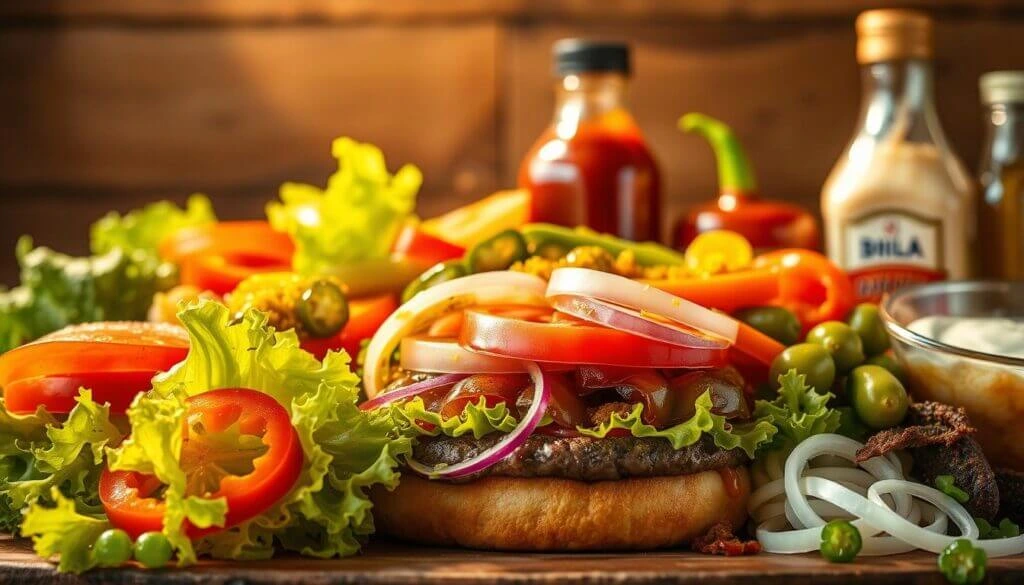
pixel 110 103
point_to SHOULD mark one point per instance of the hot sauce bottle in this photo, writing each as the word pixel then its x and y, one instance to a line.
pixel 766 224
pixel 592 166
pixel 898 206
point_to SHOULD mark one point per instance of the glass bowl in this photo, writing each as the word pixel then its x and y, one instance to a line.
pixel 990 387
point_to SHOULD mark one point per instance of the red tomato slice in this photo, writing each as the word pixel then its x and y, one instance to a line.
pixel 57 393
pixel 365 317
pixel 419 246
pixel 570 342
pixel 128 497
pixel 216 257
pixel 88 355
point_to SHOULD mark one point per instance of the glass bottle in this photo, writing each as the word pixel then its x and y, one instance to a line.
pixel 898 205
pixel 1001 209
pixel 592 166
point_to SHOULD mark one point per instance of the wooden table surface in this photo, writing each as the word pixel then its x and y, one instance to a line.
pixel 397 563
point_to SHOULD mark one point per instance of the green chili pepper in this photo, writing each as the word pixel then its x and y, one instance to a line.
pixel 1006 529
pixel 840 541
pixel 322 309
pixel 735 173
pixel 544 236
pixel 946 484
pixel 497 252
pixel 962 563
pixel 441 272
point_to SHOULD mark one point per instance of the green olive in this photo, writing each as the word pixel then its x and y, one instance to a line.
pixel 866 320
pixel 878 398
pixel 841 341
pixel 887 361
pixel 809 359
pixel 775 322
pixel 322 309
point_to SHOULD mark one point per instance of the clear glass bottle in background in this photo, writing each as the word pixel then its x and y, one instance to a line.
pixel 1001 208
pixel 592 166
pixel 898 205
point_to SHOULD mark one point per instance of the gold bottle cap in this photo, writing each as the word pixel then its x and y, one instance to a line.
pixel 887 35
pixel 1002 87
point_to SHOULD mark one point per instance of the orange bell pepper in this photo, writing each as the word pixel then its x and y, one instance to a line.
pixel 802 281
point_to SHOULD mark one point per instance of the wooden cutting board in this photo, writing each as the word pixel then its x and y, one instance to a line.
pixel 384 562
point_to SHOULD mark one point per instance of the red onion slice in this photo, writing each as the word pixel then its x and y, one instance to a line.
pixel 411 390
pixel 635 322
pixel 508 444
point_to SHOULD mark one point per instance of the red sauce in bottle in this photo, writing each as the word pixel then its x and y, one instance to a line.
pixel 592 166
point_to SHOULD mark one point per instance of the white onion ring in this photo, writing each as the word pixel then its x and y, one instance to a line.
pixel 635 322
pixel 476 289
pixel 410 391
pixel 886 528
pixel 446 356
pixel 624 292
pixel 507 444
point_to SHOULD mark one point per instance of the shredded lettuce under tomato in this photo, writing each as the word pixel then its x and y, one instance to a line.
pixel 144 229
pixel 327 512
pixel 356 217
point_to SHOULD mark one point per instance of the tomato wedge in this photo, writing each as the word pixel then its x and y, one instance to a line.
pixel 569 341
pixel 216 257
pixel 129 498
pixel 365 317
pixel 116 360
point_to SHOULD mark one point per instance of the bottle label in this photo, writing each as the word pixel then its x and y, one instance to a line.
pixel 887 249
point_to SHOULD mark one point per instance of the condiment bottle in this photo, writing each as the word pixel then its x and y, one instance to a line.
pixel 592 166
pixel 1001 209
pixel 898 205
pixel 767 225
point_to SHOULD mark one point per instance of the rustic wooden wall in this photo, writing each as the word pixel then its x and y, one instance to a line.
pixel 110 103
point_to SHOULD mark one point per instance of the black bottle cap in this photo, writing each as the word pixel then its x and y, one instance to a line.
pixel 582 56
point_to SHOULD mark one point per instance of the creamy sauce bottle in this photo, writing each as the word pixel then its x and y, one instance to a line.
pixel 898 205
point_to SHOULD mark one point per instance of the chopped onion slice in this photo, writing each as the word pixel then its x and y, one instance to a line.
pixel 621 291
pixel 634 322
pixel 477 289
pixel 411 390
pixel 446 356
pixel 507 444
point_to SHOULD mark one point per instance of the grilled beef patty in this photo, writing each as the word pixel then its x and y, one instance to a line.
pixel 583 458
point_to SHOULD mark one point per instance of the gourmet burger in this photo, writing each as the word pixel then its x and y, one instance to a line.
pixel 590 411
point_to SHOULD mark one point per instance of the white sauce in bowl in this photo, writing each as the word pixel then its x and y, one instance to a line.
pixel 994 335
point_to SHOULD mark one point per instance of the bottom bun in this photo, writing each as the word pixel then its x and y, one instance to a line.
pixel 514 513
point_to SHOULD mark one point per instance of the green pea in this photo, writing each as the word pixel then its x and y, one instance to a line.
pixel 879 399
pixel 840 541
pixel 775 322
pixel 866 320
pixel 841 341
pixel 113 548
pixel 812 361
pixel 887 361
pixel 153 550
pixel 322 309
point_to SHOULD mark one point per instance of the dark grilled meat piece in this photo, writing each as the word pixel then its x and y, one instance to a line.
pixel 583 458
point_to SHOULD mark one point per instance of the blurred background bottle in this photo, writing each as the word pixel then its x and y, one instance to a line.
pixel 898 206
pixel 592 165
pixel 1001 209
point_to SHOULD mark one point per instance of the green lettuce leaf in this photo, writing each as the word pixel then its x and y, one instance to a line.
pixel 747 436
pixel 144 229
pixel 799 411
pixel 58 290
pixel 477 419
pixel 62 531
pixel 41 455
pixel 345 450
pixel 357 216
